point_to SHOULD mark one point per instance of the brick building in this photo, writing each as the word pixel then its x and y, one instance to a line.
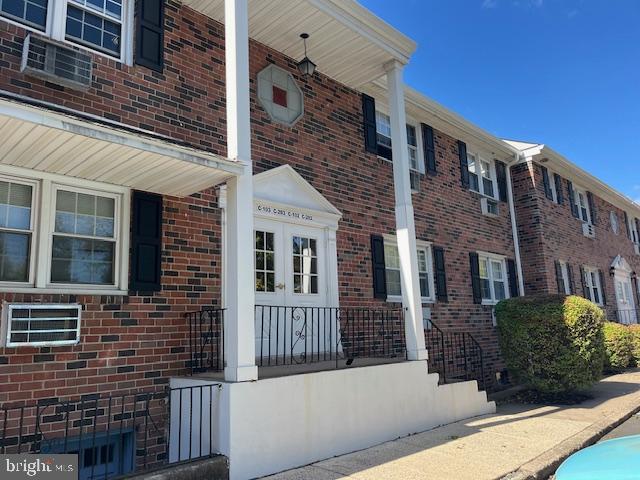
pixel 577 235
pixel 187 219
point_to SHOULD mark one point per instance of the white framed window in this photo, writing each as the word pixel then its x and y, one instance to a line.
pixel 80 230
pixel 635 235
pixel 592 283
pixel 552 185
pixel 482 175
pixel 392 270
pixel 17 236
pixel 102 26
pixel 383 129
pixel 582 204
pixel 493 278
pixel 566 283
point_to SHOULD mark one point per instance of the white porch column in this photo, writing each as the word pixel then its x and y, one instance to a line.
pixel 405 226
pixel 239 333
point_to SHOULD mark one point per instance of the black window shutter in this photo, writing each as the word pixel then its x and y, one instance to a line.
pixel 592 207
pixel 464 163
pixel 379 273
pixel 369 116
pixel 637 228
pixel 475 277
pixel 559 279
pixel 603 288
pixel 514 291
pixel 585 291
pixel 146 242
pixel 501 177
pixel 572 200
pixel 572 285
pixel 429 146
pixel 626 224
pixel 547 184
pixel 440 274
pixel 150 34
pixel 559 194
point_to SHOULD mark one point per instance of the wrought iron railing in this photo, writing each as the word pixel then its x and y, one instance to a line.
pixel 302 335
pixel 206 339
pixel 628 316
pixel 299 335
pixel 115 435
pixel 455 356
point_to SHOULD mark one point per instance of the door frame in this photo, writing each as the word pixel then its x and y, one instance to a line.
pixel 283 194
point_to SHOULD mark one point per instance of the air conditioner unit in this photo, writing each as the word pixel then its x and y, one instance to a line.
pixel 414 180
pixel 40 325
pixel 636 247
pixel 588 230
pixel 489 207
pixel 56 63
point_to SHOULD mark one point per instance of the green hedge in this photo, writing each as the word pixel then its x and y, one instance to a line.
pixel 618 341
pixel 635 347
pixel 553 344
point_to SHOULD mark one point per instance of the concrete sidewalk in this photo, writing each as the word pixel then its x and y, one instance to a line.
pixel 518 442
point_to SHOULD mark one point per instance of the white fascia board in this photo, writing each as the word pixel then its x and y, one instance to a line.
pixel 475 133
pixel 362 21
pixel 47 118
pixel 563 166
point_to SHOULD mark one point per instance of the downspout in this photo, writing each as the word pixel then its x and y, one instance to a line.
pixel 514 226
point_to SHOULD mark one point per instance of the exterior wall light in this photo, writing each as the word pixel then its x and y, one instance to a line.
pixel 305 66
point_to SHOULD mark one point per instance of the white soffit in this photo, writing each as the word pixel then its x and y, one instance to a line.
pixel 567 169
pixel 39 139
pixel 347 42
pixel 423 109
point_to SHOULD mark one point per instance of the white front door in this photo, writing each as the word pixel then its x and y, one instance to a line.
pixel 624 298
pixel 291 291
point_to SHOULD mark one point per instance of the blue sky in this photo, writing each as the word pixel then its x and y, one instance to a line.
pixel 561 72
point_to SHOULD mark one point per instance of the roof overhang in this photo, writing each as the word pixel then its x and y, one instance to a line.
pixel 347 42
pixel 426 110
pixel 37 138
pixel 544 155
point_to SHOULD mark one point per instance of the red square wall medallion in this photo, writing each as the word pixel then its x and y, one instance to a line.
pixel 279 96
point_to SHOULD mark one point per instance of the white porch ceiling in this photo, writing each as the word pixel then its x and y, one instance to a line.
pixel 348 42
pixel 39 139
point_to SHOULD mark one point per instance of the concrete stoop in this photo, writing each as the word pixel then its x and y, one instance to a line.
pixel 276 424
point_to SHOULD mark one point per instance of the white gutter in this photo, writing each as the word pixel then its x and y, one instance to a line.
pixel 514 226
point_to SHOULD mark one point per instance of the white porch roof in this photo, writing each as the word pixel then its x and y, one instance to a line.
pixel 40 139
pixel 348 42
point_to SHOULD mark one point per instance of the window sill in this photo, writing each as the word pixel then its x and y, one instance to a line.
pixel 63 291
pixel 490 303
pixel 398 299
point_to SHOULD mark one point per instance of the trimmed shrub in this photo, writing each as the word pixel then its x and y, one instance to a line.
pixel 635 347
pixel 553 344
pixel 618 342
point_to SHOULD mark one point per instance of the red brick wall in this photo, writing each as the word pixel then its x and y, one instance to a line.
pixel 139 341
pixel 549 232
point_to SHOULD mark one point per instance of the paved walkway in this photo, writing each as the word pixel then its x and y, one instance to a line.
pixel 521 441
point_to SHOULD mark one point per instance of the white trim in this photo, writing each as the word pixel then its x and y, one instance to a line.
pixel 592 273
pixel 33 230
pixel 571 171
pixel 427 247
pixel 43 210
pixel 502 259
